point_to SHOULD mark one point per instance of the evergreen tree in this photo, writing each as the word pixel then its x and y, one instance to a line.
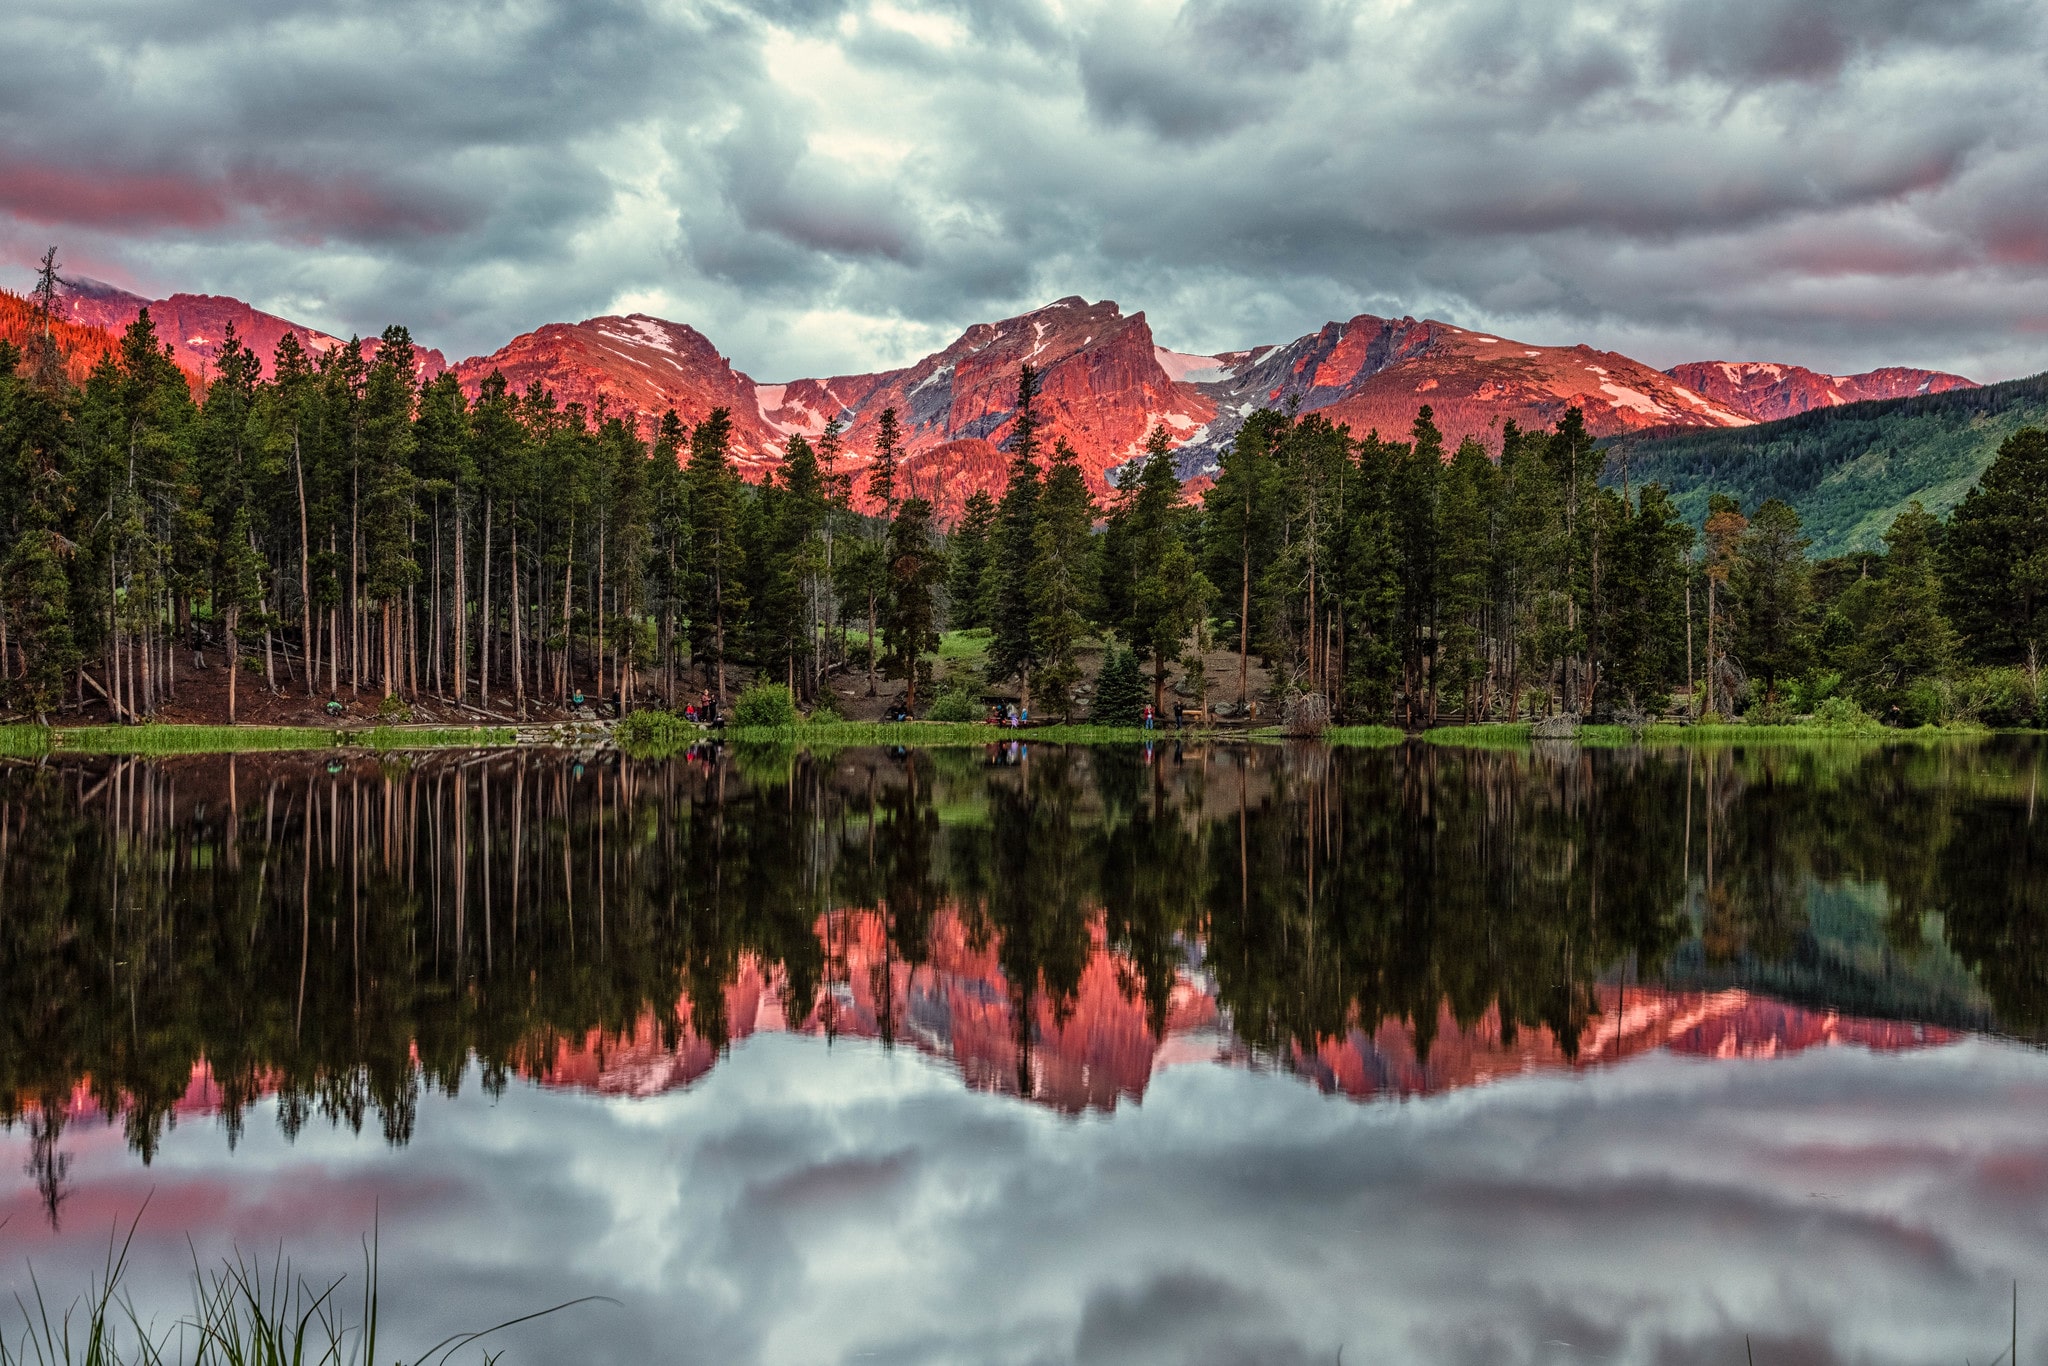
pixel 910 625
pixel 1908 637
pixel 1241 528
pixel 882 471
pixel 35 593
pixel 968 551
pixel 1012 646
pixel 717 595
pixel 1772 589
pixel 1058 585
pixel 1119 690
pixel 1464 570
pixel 1994 555
pixel 1642 596
pixel 1168 591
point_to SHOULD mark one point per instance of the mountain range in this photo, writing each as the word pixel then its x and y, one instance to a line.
pixel 1106 382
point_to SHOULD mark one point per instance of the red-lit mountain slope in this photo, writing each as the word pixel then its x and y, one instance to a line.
pixel 83 345
pixel 639 367
pixel 1103 387
pixel 1374 374
pixel 1105 383
pixel 1767 391
pixel 194 325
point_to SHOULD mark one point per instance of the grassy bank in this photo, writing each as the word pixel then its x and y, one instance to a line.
pixel 30 742
pixel 1519 735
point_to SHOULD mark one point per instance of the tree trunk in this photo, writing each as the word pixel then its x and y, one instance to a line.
pixel 306 613
pixel 483 687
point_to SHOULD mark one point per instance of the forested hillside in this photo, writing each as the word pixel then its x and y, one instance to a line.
pixel 1847 471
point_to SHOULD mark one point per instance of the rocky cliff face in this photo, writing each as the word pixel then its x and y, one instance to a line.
pixel 640 367
pixel 194 325
pixel 1766 391
pixel 1375 374
pixel 1105 384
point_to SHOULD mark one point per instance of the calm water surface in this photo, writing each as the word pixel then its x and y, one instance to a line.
pixel 1053 1055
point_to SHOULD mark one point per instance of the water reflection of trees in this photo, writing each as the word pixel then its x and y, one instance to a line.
pixel 345 935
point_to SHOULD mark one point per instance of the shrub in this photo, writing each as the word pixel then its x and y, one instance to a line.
pixel 1997 697
pixel 393 711
pixel 765 706
pixel 653 733
pixel 826 709
pixel 1842 714
pixel 1925 702
pixel 1119 692
pixel 1766 713
pixel 1806 694
pixel 954 706
pixel 1308 714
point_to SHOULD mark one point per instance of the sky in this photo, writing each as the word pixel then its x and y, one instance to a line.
pixel 834 186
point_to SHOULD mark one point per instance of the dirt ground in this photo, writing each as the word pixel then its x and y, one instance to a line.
pixel 202 695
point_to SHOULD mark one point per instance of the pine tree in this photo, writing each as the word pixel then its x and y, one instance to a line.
pixel 882 471
pixel 1908 637
pixel 1119 691
pixel 34 589
pixel 1240 529
pixel 910 624
pixel 1058 586
pixel 1012 646
pixel 717 596
pixel 1994 556
pixel 1171 591
pixel 968 551
pixel 1464 570
pixel 1771 584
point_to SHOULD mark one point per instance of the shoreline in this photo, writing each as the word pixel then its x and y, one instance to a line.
pixel 27 741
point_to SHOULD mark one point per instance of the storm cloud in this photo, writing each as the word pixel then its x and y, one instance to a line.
pixel 835 185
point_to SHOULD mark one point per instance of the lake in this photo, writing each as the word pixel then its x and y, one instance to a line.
pixel 1034 1054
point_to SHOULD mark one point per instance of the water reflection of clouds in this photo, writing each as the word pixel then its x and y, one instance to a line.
pixel 808 1204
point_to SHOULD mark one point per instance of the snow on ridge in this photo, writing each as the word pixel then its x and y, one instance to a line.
pixel 1183 368
pixel 1624 397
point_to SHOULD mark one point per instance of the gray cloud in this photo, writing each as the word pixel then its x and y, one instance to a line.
pixel 836 185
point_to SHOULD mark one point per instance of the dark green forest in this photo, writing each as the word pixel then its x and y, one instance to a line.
pixel 331 527
pixel 1849 471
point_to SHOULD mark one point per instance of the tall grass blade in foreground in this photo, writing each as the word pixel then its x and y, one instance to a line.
pixel 244 1313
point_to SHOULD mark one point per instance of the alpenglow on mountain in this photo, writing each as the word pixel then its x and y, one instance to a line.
pixel 1106 383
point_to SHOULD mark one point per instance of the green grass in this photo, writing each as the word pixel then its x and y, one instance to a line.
pixel 34 741
pixel 1480 737
pixel 1518 735
pixel 964 644
pixel 1364 736
pixel 244 1313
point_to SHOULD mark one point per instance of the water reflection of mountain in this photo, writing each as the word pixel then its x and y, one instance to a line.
pixel 1102 1050
pixel 346 936
pixel 1849 957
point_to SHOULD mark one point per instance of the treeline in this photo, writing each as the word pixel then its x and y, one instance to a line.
pixel 336 527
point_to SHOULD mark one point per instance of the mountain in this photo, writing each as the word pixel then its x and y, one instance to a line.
pixel 1767 391
pixel 1373 374
pixel 1105 382
pixel 639 367
pixel 1849 470
pixel 1102 388
pixel 195 324
pixel 83 345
